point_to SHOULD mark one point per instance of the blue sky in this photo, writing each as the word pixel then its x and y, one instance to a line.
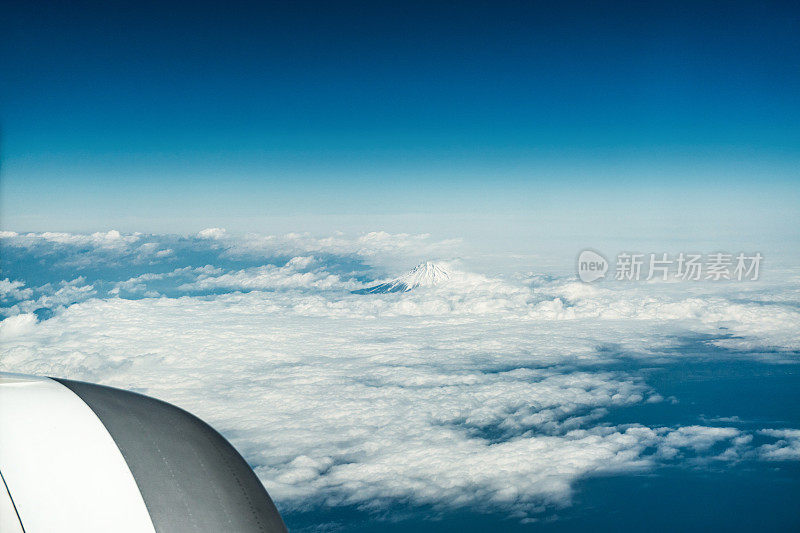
pixel 405 117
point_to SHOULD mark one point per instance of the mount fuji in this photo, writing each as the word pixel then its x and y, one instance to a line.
pixel 425 274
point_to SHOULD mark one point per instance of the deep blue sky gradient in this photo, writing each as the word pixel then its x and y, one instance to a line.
pixel 170 116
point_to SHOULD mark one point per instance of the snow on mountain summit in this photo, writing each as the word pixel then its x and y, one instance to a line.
pixel 425 274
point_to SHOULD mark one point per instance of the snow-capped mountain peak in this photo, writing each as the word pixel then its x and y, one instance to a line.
pixel 423 275
pixel 426 274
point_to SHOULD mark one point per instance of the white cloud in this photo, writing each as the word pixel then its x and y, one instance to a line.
pixel 14 289
pixel 114 248
pixel 271 277
pixel 787 448
pixel 109 239
pixel 462 393
pixel 17 326
pixel 335 404
pixel 700 308
pixel 50 297
pixel 212 233
pixel 698 439
pixel 380 248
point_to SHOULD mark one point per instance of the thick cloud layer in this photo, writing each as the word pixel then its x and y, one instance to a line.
pixel 486 392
